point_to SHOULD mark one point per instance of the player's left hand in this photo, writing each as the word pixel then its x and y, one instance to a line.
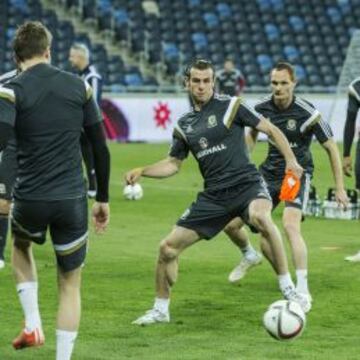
pixel 100 216
pixel 342 198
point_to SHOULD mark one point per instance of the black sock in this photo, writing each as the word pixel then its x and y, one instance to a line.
pixel 4 224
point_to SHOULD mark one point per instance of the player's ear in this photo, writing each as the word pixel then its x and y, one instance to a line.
pixel 47 53
pixel 186 82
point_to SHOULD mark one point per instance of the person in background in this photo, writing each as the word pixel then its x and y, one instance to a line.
pixel 349 133
pixel 46 110
pixel 229 80
pixel 299 121
pixel 8 171
pixel 214 132
pixel 79 58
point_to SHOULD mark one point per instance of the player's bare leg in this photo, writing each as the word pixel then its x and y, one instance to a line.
pixel 292 226
pixel 27 288
pixel 4 224
pixel 260 217
pixel 69 312
pixel 166 273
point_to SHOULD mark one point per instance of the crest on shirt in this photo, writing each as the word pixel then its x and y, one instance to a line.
pixel 212 122
pixel 203 143
pixel 189 129
pixel 291 124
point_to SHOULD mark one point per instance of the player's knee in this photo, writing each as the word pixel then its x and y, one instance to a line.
pixel 231 229
pixel 290 228
pixel 167 252
pixel 5 207
pixel 261 220
pixel 21 244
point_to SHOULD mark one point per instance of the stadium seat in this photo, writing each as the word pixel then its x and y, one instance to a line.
pixel 306 33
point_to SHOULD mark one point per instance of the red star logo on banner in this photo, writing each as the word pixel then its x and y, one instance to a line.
pixel 162 115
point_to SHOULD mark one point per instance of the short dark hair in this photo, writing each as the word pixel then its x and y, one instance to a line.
pixel 283 65
pixel 199 64
pixel 31 40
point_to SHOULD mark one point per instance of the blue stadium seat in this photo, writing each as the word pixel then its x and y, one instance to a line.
pixel 291 53
pixel 272 32
pixel 133 79
pixel 211 20
pixel 224 10
pixel 265 63
pixel 199 39
pixel 296 23
pixel 300 72
pixel 334 14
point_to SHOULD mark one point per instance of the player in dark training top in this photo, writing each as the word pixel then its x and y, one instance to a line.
pixel 79 58
pixel 349 132
pixel 300 122
pixel 214 133
pixel 8 170
pixel 46 109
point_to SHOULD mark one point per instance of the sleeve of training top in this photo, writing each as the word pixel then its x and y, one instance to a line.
pixel 322 131
pixel 179 148
pixel 239 113
pixel 349 129
pixel 92 114
pixel 6 133
pixel 95 134
pixel 95 85
pixel 315 123
pixel 7 115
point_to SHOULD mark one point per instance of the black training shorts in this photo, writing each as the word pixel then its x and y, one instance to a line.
pixel 300 202
pixel 8 172
pixel 213 210
pixel 67 221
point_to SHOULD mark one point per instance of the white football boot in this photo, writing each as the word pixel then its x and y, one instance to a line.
pixel 245 264
pixel 152 316
pixel 304 300
pixel 353 258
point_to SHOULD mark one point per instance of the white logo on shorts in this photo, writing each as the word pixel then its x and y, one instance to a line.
pixel 185 214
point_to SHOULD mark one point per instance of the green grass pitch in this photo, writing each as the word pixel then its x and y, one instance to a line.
pixel 210 319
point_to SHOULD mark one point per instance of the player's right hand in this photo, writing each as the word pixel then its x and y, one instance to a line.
pixel 294 167
pixel 347 166
pixel 133 176
pixel 101 216
pixel 342 198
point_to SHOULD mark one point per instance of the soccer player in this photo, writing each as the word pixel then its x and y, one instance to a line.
pixel 349 132
pixel 79 58
pixel 229 80
pixel 46 109
pixel 8 170
pixel 299 121
pixel 214 133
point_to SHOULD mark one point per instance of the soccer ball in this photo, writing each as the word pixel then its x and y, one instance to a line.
pixel 133 192
pixel 284 320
